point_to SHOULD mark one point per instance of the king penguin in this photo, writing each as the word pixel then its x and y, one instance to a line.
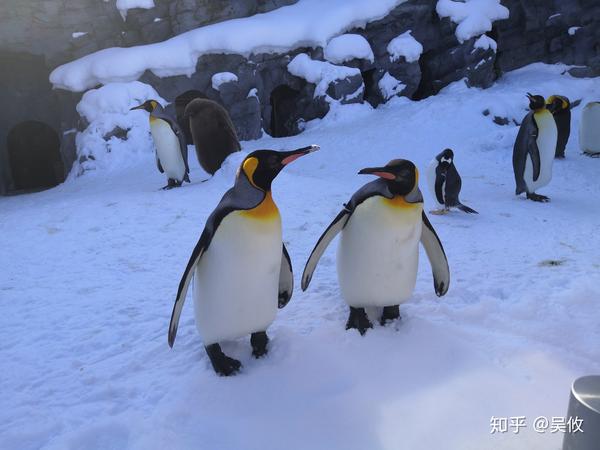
pixel 169 142
pixel 378 252
pixel 445 183
pixel 560 107
pixel 241 268
pixel 212 131
pixel 534 149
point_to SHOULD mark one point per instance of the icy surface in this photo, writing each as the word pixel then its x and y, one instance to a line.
pixel 485 42
pixel 405 45
pixel 346 47
pixel 222 77
pixel 90 270
pixel 474 17
pixel 307 23
pixel 390 86
pixel 320 73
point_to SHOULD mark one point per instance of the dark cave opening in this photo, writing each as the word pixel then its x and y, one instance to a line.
pixel 181 101
pixel 371 94
pixel 284 111
pixel 34 155
pixel 426 86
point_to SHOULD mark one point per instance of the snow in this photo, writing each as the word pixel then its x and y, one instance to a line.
pixel 124 5
pixel 390 86
pixel 485 42
pixel 106 109
pixel 347 47
pixel 405 45
pixel 320 73
pixel 222 77
pixel 252 93
pixel 573 30
pixel 474 17
pixel 307 23
pixel 90 270
pixel 78 34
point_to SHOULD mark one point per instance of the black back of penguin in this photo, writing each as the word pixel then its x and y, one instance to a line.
pixel 212 131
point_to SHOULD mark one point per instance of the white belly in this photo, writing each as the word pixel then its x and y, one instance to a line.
pixel 589 128
pixel 546 142
pixel 167 149
pixel 236 283
pixel 378 253
pixel 431 181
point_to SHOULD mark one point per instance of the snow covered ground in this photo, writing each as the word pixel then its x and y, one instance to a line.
pixel 90 270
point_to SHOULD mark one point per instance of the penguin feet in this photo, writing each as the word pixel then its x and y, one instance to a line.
pixel 390 313
pixel 223 364
pixel 172 184
pixel 538 198
pixel 439 212
pixel 259 341
pixel 358 319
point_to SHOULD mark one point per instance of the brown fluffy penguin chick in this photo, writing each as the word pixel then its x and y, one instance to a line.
pixel 213 133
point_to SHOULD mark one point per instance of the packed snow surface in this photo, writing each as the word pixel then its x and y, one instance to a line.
pixel 405 45
pixel 474 17
pixel 346 47
pixel 90 271
pixel 307 23
pixel 222 77
pixel 321 73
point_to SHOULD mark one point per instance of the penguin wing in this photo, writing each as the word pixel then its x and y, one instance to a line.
pixel 158 165
pixel 230 202
pixel 440 178
pixel 437 257
pixel 377 187
pixel 526 144
pixel 286 278
pixel 180 136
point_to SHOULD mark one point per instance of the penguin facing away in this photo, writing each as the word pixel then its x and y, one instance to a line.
pixel 241 267
pixel 212 131
pixel 445 183
pixel 560 107
pixel 589 130
pixel 534 150
pixel 169 144
pixel 378 252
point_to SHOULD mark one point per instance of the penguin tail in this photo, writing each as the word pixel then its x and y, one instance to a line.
pixel 466 209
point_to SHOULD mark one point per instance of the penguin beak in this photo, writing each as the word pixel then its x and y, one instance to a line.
pixel 382 172
pixel 288 157
pixel 137 107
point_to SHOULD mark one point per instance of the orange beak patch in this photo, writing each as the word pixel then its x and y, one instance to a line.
pixel 386 175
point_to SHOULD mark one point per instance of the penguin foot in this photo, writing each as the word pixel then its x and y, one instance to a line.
pixel 223 364
pixel 390 313
pixel 438 212
pixel 172 184
pixel 538 198
pixel 259 341
pixel 358 319
pixel 560 156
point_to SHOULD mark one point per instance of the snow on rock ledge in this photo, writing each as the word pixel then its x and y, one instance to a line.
pixel 307 23
pixel 124 5
pixel 405 45
pixel 485 43
pixel 390 86
pixel 347 47
pixel 320 73
pixel 222 77
pixel 474 17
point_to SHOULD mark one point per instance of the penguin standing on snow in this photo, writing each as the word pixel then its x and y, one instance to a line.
pixel 534 150
pixel 589 130
pixel 169 143
pixel 241 266
pixel 444 183
pixel 560 107
pixel 212 131
pixel 378 253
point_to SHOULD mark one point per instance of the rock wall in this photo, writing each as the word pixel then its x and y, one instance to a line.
pixel 38 35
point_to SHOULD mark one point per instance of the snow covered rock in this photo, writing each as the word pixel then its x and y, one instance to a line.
pixel 124 5
pixel 485 42
pixel 347 47
pixel 405 45
pixel 474 17
pixel 222 77
pixel 390 86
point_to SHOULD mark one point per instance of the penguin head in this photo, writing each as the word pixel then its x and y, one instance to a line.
pixel 148 105
pixel 262 166
pixel 400 175
pixel 536 102
pixel 446 158
pixel 557 103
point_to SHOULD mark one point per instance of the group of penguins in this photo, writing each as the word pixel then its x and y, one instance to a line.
pixel 383 221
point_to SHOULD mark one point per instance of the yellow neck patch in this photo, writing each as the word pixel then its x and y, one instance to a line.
pixel 266 210
pixel 399 202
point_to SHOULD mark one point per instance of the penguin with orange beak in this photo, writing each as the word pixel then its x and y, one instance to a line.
pixel 378 253
pixel 241 268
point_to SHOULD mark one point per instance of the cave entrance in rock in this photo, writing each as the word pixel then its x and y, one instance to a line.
pixel 34 154
pixel 426 84
pixel 284 111
pixel 181 101
pixel 371 94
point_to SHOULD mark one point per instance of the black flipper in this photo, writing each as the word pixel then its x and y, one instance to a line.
pixel 526 144
pixel 437 257
pixel 440 178
pixel 236 198
pixel 286 279
pixel 159 166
